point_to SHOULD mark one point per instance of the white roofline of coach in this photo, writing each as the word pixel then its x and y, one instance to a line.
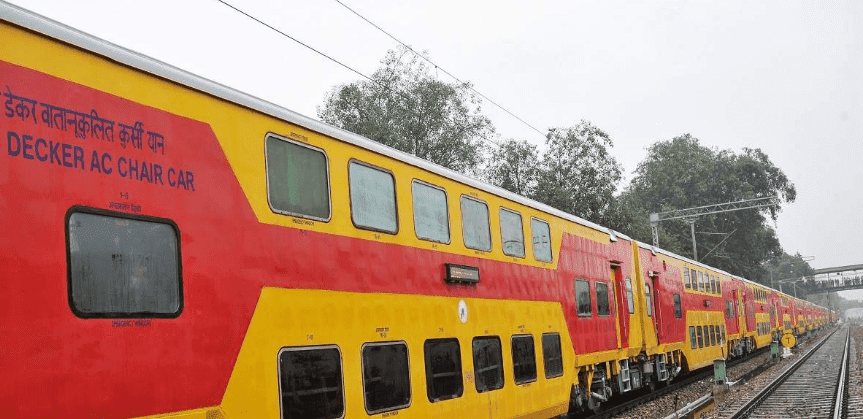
pixel 38 23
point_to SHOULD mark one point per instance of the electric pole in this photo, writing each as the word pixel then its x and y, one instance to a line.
pixel 691 214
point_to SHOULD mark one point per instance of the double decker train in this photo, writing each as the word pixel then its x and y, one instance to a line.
pixel 171 247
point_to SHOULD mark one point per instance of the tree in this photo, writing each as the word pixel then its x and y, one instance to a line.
pixel 681 173
pixel 577 174
pixel 513 166
pixel 404 107
pixel 786 266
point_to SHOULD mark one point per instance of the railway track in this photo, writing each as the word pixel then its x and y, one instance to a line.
pixel 813 387
pixel 628 402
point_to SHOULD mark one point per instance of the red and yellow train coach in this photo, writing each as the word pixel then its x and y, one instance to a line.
pixel 174 247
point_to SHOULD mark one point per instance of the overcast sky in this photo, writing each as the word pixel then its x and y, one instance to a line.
pixel 784 76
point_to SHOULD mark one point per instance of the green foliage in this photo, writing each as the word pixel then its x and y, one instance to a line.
pixel 406 108
pixel 577 174
pixel 514 166
pixel 681 173
pixel 785 266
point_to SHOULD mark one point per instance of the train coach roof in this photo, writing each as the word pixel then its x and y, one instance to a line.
pixel 77 38
pixel 687 260
pixel 655 249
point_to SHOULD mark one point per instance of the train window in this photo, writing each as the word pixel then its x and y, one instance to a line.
pixel 386 377
pixel 310 383
pixel 523 359
pixel 701 286
pixel 629 304
pixel 729 309
pixel 678 310
pixel 700 331
pixel 693 342
pixel 602 306
pixel 443 369
pixel 298 182
pixel 686 278
pixel 373 198
pixel 474 224
pixel 712 284
pixel 712 335
pixel 648 301
pixel 582 295
pixel 511 233
pixel 487 363
pixel 719 285
pixel 551 355
pixel 431 216
pixel 122 266
pixel 541 239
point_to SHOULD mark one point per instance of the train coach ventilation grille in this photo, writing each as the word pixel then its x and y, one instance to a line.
pixel 215 414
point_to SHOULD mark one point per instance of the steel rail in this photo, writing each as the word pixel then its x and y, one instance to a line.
pixel 669 388
pixel 839 404
pixel 753 403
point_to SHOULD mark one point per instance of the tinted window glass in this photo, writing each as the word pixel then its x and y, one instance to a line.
pixel 552 355
pixel 297 182
pixel 121 267
pixel 629 304
pixel 712 335
pixel 443 369
pixel 582 294
pixel 692 340
pixel 511 233
pixel 310 382
pixel 541 239
pixel 373 198
pixel 649 301
pixel 686 278
pixel 678 312
pixel 729 310
pixel 431 217
pixel 700 337
pixel 487 363
pixel 474 224
pixel 386 378
pixel 602 299
pixel 523 359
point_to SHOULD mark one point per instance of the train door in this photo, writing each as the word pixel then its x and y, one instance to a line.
pixel 623 299
pixel 657 307
pixel 651 298
pixel 774 318
pixel 731 313
pixel 749 308
pixel 740 310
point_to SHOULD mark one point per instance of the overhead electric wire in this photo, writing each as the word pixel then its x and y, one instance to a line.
pixel 403 94
pixel 397 91
pixel 440 68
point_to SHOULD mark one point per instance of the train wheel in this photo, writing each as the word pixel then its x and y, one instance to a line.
pixel 594 405
pixel 651 385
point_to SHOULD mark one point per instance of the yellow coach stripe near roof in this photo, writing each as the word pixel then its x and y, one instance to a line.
pixel 241 133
